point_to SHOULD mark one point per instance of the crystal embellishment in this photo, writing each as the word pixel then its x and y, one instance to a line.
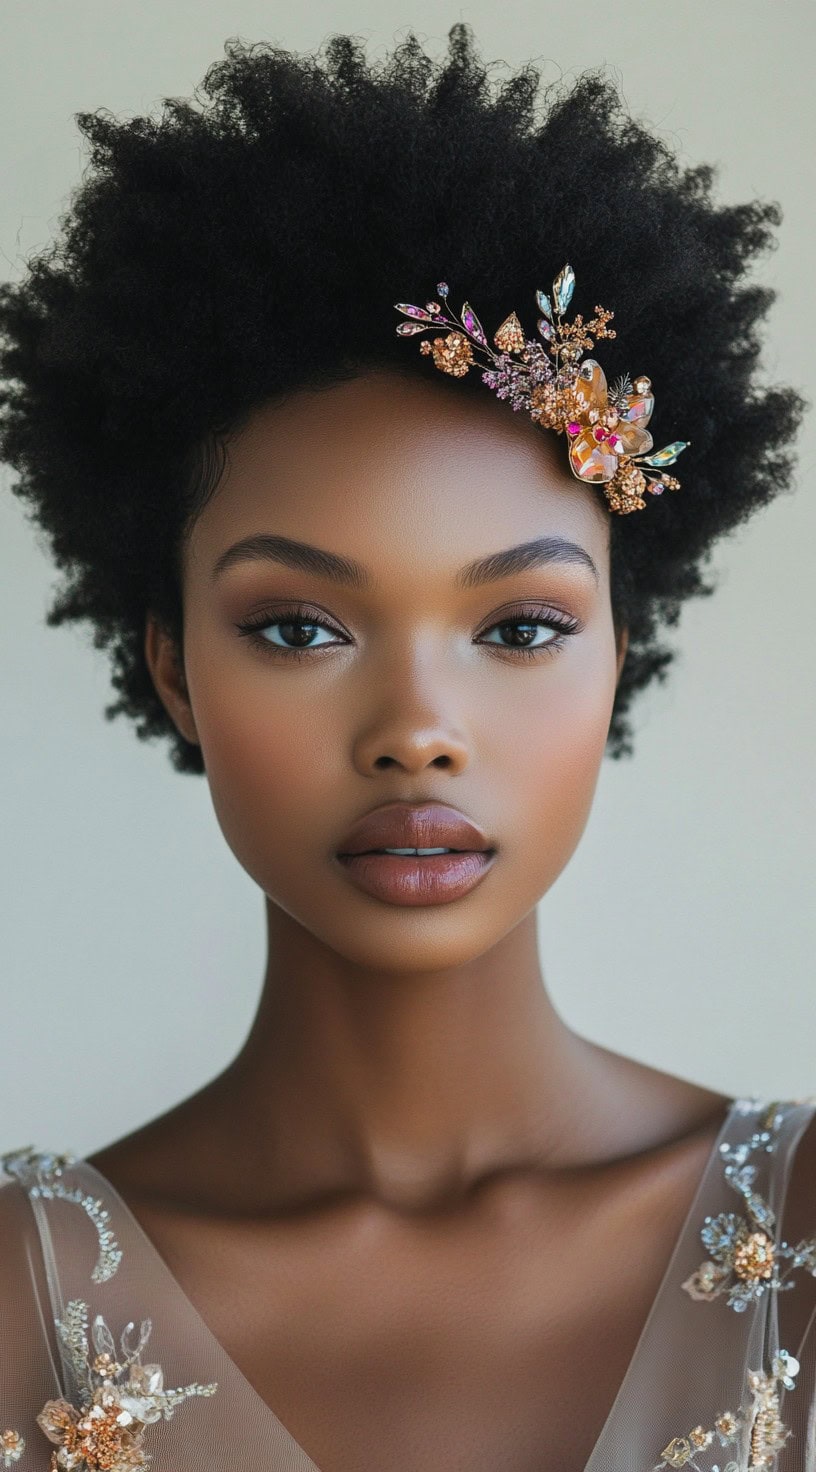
pixel 12 1446
pixel 744 1256
pixel 119 1397
pixel 558 394
pixel 563 287
pixel 743 1264
pixel 760 1419
pixel 40 1173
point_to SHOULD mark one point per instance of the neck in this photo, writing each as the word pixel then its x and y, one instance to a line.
pixel 413 1087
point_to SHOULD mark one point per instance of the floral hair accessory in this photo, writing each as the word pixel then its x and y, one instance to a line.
pixel 609 443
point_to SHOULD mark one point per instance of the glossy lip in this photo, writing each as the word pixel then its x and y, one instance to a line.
pixel 400 879
pixel 413 825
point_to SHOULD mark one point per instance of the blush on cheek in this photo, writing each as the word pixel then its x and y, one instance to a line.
pixel 560 769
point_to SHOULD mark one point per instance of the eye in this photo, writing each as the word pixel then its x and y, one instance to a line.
pixel 297 631
pixel 527 624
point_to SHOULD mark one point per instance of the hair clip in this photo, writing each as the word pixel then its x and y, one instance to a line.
pixel 609 443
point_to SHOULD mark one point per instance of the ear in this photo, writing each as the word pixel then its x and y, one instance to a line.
pixel 621 644
pixel 166 665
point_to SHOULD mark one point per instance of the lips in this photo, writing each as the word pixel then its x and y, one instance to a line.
pixel 406 825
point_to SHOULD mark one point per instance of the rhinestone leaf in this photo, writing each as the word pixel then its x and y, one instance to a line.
pixel 668 454
pixel 563 287
pixel 409 311
pixel 544 304
pixel 407 329
pixel 472 324
pixel 546 329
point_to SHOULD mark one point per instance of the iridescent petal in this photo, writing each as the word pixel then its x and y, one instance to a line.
pixel 638 409
pixel 633 439
pixel 544 303
pixel 563 287
pixel 546 329
pixel 591 459
pixel 668 454
pixel 473 325
pixel 590 387
pixel 409 311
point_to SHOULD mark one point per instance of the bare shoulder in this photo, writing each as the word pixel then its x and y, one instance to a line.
pixel 23 1282
pixel 18 1234
pixel 800 1201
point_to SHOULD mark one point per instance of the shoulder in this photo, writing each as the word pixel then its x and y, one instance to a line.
pixel 800 1198
pixel 26 1341
pixel 19 1238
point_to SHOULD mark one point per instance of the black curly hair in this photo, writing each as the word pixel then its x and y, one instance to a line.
pixel 253 239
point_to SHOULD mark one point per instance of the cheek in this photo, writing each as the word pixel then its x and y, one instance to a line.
pixel 551 752
pixel 269 765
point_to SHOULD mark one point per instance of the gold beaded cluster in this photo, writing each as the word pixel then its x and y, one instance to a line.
pixel 609 444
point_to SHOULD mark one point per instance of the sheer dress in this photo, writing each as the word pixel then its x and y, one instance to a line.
pixel 105 1363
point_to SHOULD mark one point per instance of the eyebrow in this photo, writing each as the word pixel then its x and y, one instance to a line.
pixel 304 557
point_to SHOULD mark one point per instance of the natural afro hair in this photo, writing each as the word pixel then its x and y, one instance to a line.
pixel 253 240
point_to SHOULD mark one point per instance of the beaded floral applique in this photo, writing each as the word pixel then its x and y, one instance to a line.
pixel 746 1259
pixel 12 1446
pixel 118 1399
pixel 768 1432
pixel 119 1396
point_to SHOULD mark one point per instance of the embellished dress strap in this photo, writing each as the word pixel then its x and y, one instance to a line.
pixel 706 1385
pixel 40 1173
pixel 115 1411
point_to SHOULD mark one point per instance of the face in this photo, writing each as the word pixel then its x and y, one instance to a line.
pixel 410 682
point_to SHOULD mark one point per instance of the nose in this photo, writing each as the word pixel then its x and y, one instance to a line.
pixel 407 734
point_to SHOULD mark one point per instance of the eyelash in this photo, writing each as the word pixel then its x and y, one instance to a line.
pixel 566 625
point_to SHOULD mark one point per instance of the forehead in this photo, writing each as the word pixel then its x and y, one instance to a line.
pixel 398 472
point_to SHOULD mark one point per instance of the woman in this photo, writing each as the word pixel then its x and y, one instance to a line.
pixel 417 1221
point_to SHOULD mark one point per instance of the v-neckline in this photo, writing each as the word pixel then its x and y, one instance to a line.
pixel 689 1224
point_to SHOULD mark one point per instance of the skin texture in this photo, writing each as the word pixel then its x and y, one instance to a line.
pixel 414 1176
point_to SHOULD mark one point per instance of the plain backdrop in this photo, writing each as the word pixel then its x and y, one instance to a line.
pixel 682 932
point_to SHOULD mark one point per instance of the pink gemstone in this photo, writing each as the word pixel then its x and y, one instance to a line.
pixel 656 488
pixel 614 440
pixel 573 428
pixel 599 432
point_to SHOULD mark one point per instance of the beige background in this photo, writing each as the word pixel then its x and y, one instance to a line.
pixel 682 932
